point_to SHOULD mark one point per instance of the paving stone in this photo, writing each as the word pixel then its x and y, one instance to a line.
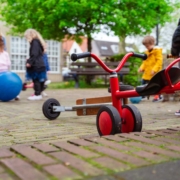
pixel 22 169
pixel 144 134
pixel 1 169
pixel 159 133
pixel 45 147
pixel 167 131
pixel 33 155
pixel 174 147
pixel 111 144
pixel 154 149
pixel 89 136
pixel 167 140
pixel 143 139
pixel 121 156
pixel 150 156
pixel 5 152
pixel 30 126
pixel 75 149
pixel 115 138
pixel 61 172
pixel 111 163
pixel 81 142
pixel 77 163
pixel 174 129
pixel 6 176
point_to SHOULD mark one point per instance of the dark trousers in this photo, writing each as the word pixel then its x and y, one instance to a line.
pixel 144 81
pixel 38 87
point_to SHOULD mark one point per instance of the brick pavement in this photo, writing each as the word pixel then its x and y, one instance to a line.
pixel 33 147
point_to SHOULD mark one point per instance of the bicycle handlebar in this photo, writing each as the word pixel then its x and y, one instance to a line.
pixel 75 57
pixel 142 56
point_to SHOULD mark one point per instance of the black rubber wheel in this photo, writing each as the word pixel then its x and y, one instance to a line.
pixel 131 119
pixel 47 109
pixel 108 121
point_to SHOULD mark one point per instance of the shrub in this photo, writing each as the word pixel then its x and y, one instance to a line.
pixel 133 78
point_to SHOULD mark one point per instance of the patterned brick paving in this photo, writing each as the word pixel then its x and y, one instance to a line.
pixel 89 157
pixel 34 148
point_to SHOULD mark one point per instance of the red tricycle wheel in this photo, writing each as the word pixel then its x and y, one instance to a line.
pixel 132 120
pixel 108 121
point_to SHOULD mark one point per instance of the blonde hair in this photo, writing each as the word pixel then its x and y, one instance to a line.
pixel 35 35
pixel 148 40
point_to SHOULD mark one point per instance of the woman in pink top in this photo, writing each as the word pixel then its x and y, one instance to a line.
pixel 5 62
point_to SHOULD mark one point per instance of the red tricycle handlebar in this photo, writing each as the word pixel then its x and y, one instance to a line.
pixel 74 57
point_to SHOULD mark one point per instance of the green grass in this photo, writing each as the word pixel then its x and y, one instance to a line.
pixel 82 84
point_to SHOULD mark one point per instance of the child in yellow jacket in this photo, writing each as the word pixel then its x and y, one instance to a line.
pixel 153 63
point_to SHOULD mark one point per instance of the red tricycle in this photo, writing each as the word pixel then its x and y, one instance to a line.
pixel 118 117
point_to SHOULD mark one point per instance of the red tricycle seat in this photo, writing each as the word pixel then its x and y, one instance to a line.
pixel 158 82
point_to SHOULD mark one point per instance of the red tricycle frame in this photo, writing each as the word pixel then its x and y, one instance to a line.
pixel 119 117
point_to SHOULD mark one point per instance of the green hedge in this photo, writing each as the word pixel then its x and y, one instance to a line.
pixel 133 78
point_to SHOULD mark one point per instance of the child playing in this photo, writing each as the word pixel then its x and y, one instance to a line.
pixel 5 62
pixel 46 62
pixel 36 69
pixel 153 63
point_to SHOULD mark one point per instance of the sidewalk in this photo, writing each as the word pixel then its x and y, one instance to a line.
pixel 69 147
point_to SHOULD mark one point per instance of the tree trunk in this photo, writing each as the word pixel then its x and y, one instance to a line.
pixel 88 77
pixel 89 47
pixel 122 45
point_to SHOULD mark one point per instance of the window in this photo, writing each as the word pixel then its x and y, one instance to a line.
pixel 104 47
pixel 115 48
pixel 19 52
pixel 53 51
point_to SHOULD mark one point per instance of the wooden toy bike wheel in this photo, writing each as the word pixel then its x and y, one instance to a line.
pixel 131 119
pixel 108 121
pixel 47 109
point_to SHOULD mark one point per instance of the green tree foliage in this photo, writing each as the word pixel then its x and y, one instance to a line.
pixel 57 18
pixel 140 16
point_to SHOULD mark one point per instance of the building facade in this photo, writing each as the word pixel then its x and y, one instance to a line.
pixel 18 49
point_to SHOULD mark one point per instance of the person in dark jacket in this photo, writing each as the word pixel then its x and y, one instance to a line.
pixel 175 45
pixel 36 69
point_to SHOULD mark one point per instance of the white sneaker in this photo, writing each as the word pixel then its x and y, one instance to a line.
pixel 47 82
pixel 17 98
pixel 44 94
pixel 32 98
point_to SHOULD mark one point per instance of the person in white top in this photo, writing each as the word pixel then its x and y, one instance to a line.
pixel 5 62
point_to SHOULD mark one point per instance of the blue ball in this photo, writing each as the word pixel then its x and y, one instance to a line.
pixel 135 100
pixel 10 86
